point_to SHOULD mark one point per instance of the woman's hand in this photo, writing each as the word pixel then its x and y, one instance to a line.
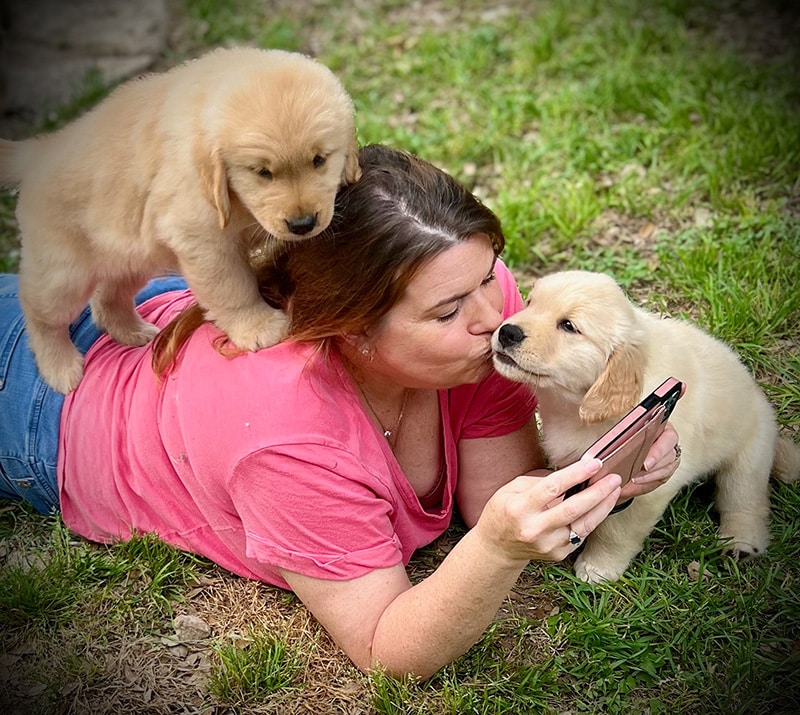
pixel 528 518
pixel 660 464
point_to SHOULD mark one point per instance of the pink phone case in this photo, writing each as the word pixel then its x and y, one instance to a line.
pixel 626 456
pixel 624 447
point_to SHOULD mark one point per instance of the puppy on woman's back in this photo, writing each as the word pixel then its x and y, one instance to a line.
pixel 591 356
pixel 174 171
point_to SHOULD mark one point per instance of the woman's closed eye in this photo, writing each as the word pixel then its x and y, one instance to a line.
pixel 449 316
pixel 453 313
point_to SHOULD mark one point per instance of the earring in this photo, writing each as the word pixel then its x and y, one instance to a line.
pixel 366 351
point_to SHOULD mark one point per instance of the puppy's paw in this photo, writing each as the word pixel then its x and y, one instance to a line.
pixel 739 551
pixel 60 363
pixel 63 376
pixel 134 335
pixel 743 549
pixel 123 324
pixel 597 570
pixel 257 329
pixel 744 536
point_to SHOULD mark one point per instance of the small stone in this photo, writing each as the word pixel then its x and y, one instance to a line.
pixel 191 628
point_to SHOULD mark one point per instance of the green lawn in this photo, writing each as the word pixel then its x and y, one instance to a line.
pixel 658 141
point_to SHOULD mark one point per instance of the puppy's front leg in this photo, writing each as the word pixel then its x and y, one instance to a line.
pixel 113 310
pixel 610 548
pixel 225 286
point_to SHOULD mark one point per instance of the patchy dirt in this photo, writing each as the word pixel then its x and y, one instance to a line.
pixel 163 667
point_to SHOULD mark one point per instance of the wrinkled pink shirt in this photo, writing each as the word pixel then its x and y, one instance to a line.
pixel 258 462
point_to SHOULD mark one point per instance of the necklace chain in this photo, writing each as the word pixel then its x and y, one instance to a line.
pixel 388 433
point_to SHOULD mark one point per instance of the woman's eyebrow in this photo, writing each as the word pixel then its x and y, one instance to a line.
pixel 451 299
pixel 459 296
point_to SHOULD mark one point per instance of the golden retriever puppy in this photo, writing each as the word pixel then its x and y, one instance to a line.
pixel 177 171
pixel 591 356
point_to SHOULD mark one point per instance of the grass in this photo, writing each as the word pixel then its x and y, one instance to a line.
pixel 266 666
pixel 47 574
pixel 658 141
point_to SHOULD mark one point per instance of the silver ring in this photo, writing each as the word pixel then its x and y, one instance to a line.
pixel 677 452
pixel 574 539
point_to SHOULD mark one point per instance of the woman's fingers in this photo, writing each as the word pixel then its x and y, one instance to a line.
pixel 568 522
pixel 663 452
pixel 583 512
pixel 529 518
pixel 660 464
pixel 549 490
pixel 543 491
pixel 589 506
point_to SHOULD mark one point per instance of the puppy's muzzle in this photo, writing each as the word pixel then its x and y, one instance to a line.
pixel 510 335
pixel 303 225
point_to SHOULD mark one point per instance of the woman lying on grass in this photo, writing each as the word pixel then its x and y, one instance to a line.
pixel 321 464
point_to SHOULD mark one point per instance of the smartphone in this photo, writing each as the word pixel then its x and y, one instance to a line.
pixel 624 447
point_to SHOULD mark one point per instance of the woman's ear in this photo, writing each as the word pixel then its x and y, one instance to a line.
pixel 360 342
pixel 619 387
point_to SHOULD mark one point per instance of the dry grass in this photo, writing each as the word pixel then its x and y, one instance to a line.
pixel 152 662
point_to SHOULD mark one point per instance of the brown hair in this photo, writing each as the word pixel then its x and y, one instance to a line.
pixel 400 214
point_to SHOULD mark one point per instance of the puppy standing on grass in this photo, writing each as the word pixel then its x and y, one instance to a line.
pixel 592 356
pixel 177 171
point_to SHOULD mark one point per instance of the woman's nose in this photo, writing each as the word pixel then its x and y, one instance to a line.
pixel 488 314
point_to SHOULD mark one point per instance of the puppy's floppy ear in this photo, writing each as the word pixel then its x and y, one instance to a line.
pixel 214 181
pixel 352 169
pixel 618 388
pixel 527 298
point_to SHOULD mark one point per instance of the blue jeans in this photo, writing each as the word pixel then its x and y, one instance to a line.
pixel 30 410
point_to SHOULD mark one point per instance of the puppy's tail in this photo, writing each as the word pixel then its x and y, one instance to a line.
pixel 10 162
pixel 786 466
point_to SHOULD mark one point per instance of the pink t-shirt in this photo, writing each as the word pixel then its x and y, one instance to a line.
pixel 262 461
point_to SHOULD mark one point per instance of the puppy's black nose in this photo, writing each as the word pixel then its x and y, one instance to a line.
pixel 510 334
pixel 301 226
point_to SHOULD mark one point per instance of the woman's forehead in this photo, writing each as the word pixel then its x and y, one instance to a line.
pixel 454 272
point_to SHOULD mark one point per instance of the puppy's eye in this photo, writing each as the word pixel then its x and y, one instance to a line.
pixel 319 161
pixel 263 172
pixel 567 326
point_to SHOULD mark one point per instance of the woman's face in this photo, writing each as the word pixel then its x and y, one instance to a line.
pixel 438 334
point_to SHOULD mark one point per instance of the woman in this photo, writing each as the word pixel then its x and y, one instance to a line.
pixel 321 464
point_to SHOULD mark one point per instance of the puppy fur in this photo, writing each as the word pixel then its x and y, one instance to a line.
pixel 591 356
pixel 184 171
